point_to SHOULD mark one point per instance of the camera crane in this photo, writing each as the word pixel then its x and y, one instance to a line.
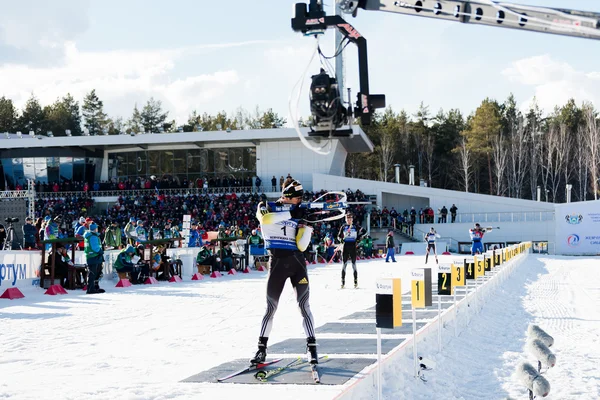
pixel 328 113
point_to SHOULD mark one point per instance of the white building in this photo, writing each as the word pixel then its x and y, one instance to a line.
pixel 279 152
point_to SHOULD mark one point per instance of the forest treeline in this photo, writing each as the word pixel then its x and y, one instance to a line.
pixel 498 149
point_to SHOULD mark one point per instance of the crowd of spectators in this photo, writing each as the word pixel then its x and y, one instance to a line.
pixel 405 221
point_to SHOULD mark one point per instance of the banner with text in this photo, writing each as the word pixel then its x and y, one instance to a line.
pixel 578 228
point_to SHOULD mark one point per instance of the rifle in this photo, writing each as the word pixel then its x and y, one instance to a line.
pixel 320 209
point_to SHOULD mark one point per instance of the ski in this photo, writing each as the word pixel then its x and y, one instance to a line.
pixel 263 376
pixel 252 367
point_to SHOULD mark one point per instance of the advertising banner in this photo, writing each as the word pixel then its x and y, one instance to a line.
pixel 578 228
pixel 19 267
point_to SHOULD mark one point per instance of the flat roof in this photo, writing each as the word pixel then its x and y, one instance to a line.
pixel 358 143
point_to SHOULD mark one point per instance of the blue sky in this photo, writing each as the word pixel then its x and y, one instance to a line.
pixel 219 55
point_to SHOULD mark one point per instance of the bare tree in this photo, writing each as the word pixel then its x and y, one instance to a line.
pixel 566 150
pixel 464 162
pixel 387 150
pixel 593 143
pixel 517 165
pixel 553 157
pixel 581 162
pixel 429 147
pixel 500 158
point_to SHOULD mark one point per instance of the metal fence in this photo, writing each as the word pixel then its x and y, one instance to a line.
pixel 517 216
pixel 138 192
pixel 482 218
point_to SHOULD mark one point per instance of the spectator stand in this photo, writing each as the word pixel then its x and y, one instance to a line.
pixel 47 269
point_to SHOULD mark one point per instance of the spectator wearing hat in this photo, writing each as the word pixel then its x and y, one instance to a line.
pixel 390 247
pixel 29 234
pixel 205 257
pixel 124 263
pixel 80 231
pixel 130 234
pixel 226 256
pixel 195 240
pixel 94 255
pixel 112 236
pixel 254 239
pixel 140 232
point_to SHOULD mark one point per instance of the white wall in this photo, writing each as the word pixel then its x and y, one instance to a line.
pixel 466 202
pixel 578 228
pixel 533 221
pixel 291 157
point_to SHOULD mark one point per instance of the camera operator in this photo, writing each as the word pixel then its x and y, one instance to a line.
pixel 29 235
pixel 2 236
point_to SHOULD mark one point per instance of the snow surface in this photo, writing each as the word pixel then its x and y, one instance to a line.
pixel 140 342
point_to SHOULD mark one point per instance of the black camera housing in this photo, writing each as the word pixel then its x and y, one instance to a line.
pixel 11 220
pixel 326 106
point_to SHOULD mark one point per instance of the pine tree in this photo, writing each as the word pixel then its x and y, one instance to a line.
pixel 153 116
pixel 32 117
pixel 134 124
pixel 93 112
pixel 115 126
pixel 8 115
pixel 63 115
pixel 270 119
pixel 483 128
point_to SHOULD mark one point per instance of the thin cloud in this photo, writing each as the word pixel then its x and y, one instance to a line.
pixel 554 82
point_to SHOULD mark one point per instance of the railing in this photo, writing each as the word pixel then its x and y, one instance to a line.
pixel 482 218
pixel 137 192
pixel 167 192
pixel 517 216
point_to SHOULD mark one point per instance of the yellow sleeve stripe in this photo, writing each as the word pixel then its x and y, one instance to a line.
pixel 273 218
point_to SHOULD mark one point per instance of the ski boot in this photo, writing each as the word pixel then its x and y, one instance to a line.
pixel 311 347
pixel 261 354
pixel 343 284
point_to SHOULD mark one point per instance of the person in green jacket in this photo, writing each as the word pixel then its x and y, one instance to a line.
pixel 205 257
pixel 112 236
pixel 368 246
pixel 94 255
pixel 124 263
pixel 254 239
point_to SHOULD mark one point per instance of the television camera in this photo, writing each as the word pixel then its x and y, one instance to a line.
pixel 327 109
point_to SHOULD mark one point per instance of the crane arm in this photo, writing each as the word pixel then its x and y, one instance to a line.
pixel 559 21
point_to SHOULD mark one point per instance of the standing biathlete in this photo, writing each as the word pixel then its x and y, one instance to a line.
pixel 430 239
pixel 477 238
pixel 349 234
pixel 286 238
